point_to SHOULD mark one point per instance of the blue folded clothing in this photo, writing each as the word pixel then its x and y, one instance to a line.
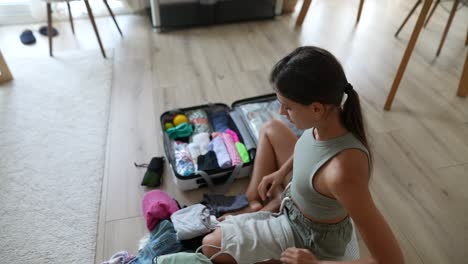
pixel 27 37
pixel 219 121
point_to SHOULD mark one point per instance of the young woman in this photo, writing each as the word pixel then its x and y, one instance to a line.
pixel 330 166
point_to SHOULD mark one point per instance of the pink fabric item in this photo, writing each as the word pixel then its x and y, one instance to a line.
pixel 157 205
pixel 233 135
pixel 231 148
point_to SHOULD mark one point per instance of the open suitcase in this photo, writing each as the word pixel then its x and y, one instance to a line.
pixel 245 117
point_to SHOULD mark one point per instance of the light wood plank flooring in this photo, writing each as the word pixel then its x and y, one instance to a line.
pixel 421 147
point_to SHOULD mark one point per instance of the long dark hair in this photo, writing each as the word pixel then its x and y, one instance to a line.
pixel 311 74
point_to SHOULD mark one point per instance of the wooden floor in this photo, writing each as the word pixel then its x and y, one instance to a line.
pixel 421 147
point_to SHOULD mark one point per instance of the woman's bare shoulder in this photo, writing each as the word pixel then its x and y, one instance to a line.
pixel 348 166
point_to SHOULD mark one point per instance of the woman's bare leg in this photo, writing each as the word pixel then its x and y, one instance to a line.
pixel 275 147
pixel 214 239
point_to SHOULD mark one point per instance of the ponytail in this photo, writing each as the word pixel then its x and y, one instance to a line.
pixel 352 116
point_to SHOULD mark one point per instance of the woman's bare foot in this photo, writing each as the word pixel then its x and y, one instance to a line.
pixel 254 206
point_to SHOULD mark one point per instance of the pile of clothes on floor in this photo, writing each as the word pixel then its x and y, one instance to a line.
pixel 175 233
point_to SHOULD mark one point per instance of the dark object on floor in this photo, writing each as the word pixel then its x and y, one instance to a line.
pixel 27 37
pixel 153 173
pixel 220 204
pixel 43 30
pixel 191 245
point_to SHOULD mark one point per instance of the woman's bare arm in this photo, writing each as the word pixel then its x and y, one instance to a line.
pixel 348 182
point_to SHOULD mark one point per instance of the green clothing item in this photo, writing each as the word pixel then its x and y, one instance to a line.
pixel 183 130
pixel 244 155
pixel 184 257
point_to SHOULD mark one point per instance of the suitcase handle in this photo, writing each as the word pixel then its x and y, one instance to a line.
pixel 223 188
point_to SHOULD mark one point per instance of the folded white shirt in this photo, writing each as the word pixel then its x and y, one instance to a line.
pixel 193 221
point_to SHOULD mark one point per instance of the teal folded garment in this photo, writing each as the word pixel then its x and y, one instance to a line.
pixel 183 130
pixel 183 257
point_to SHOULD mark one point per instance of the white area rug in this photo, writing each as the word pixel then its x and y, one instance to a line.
pixel 53 128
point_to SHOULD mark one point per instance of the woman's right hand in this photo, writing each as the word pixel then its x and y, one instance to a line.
pixel 269 183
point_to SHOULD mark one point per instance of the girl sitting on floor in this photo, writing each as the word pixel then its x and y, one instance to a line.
pixel 330 166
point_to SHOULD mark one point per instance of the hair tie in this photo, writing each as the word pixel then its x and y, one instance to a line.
pixel 348 88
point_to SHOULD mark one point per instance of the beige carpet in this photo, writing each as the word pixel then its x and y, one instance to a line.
pixel 53 128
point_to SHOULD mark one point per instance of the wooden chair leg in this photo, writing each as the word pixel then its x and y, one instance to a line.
pixel 70 17
pixel 49 28
pixel 113 17
pixel 361 4
pixel 303 12
pixel 408 52
pixel 408 17
pixel 466 39
pixel 432 12
pixel 447 27
pixel 463 86
pixel 91 17
pixel 5 74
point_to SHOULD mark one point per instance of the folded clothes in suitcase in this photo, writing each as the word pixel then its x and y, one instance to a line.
pixel 213 144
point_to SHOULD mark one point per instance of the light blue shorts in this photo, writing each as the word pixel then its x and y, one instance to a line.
pixel 327 241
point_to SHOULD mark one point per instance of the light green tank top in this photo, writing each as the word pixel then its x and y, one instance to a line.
pixel 309 157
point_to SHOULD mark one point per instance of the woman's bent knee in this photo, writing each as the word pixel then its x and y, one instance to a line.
pixel 212 239
pixel 272 126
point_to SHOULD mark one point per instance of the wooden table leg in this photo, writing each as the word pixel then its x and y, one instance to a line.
pixel 5 74
pixel 408 52
pixel 463 86
pixel 361 4
pixel 447 27
pixel 49 27
pixel 303 12
pixel 466 39
pixel 91 17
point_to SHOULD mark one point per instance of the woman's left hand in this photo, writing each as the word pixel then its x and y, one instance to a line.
pixel 298 255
